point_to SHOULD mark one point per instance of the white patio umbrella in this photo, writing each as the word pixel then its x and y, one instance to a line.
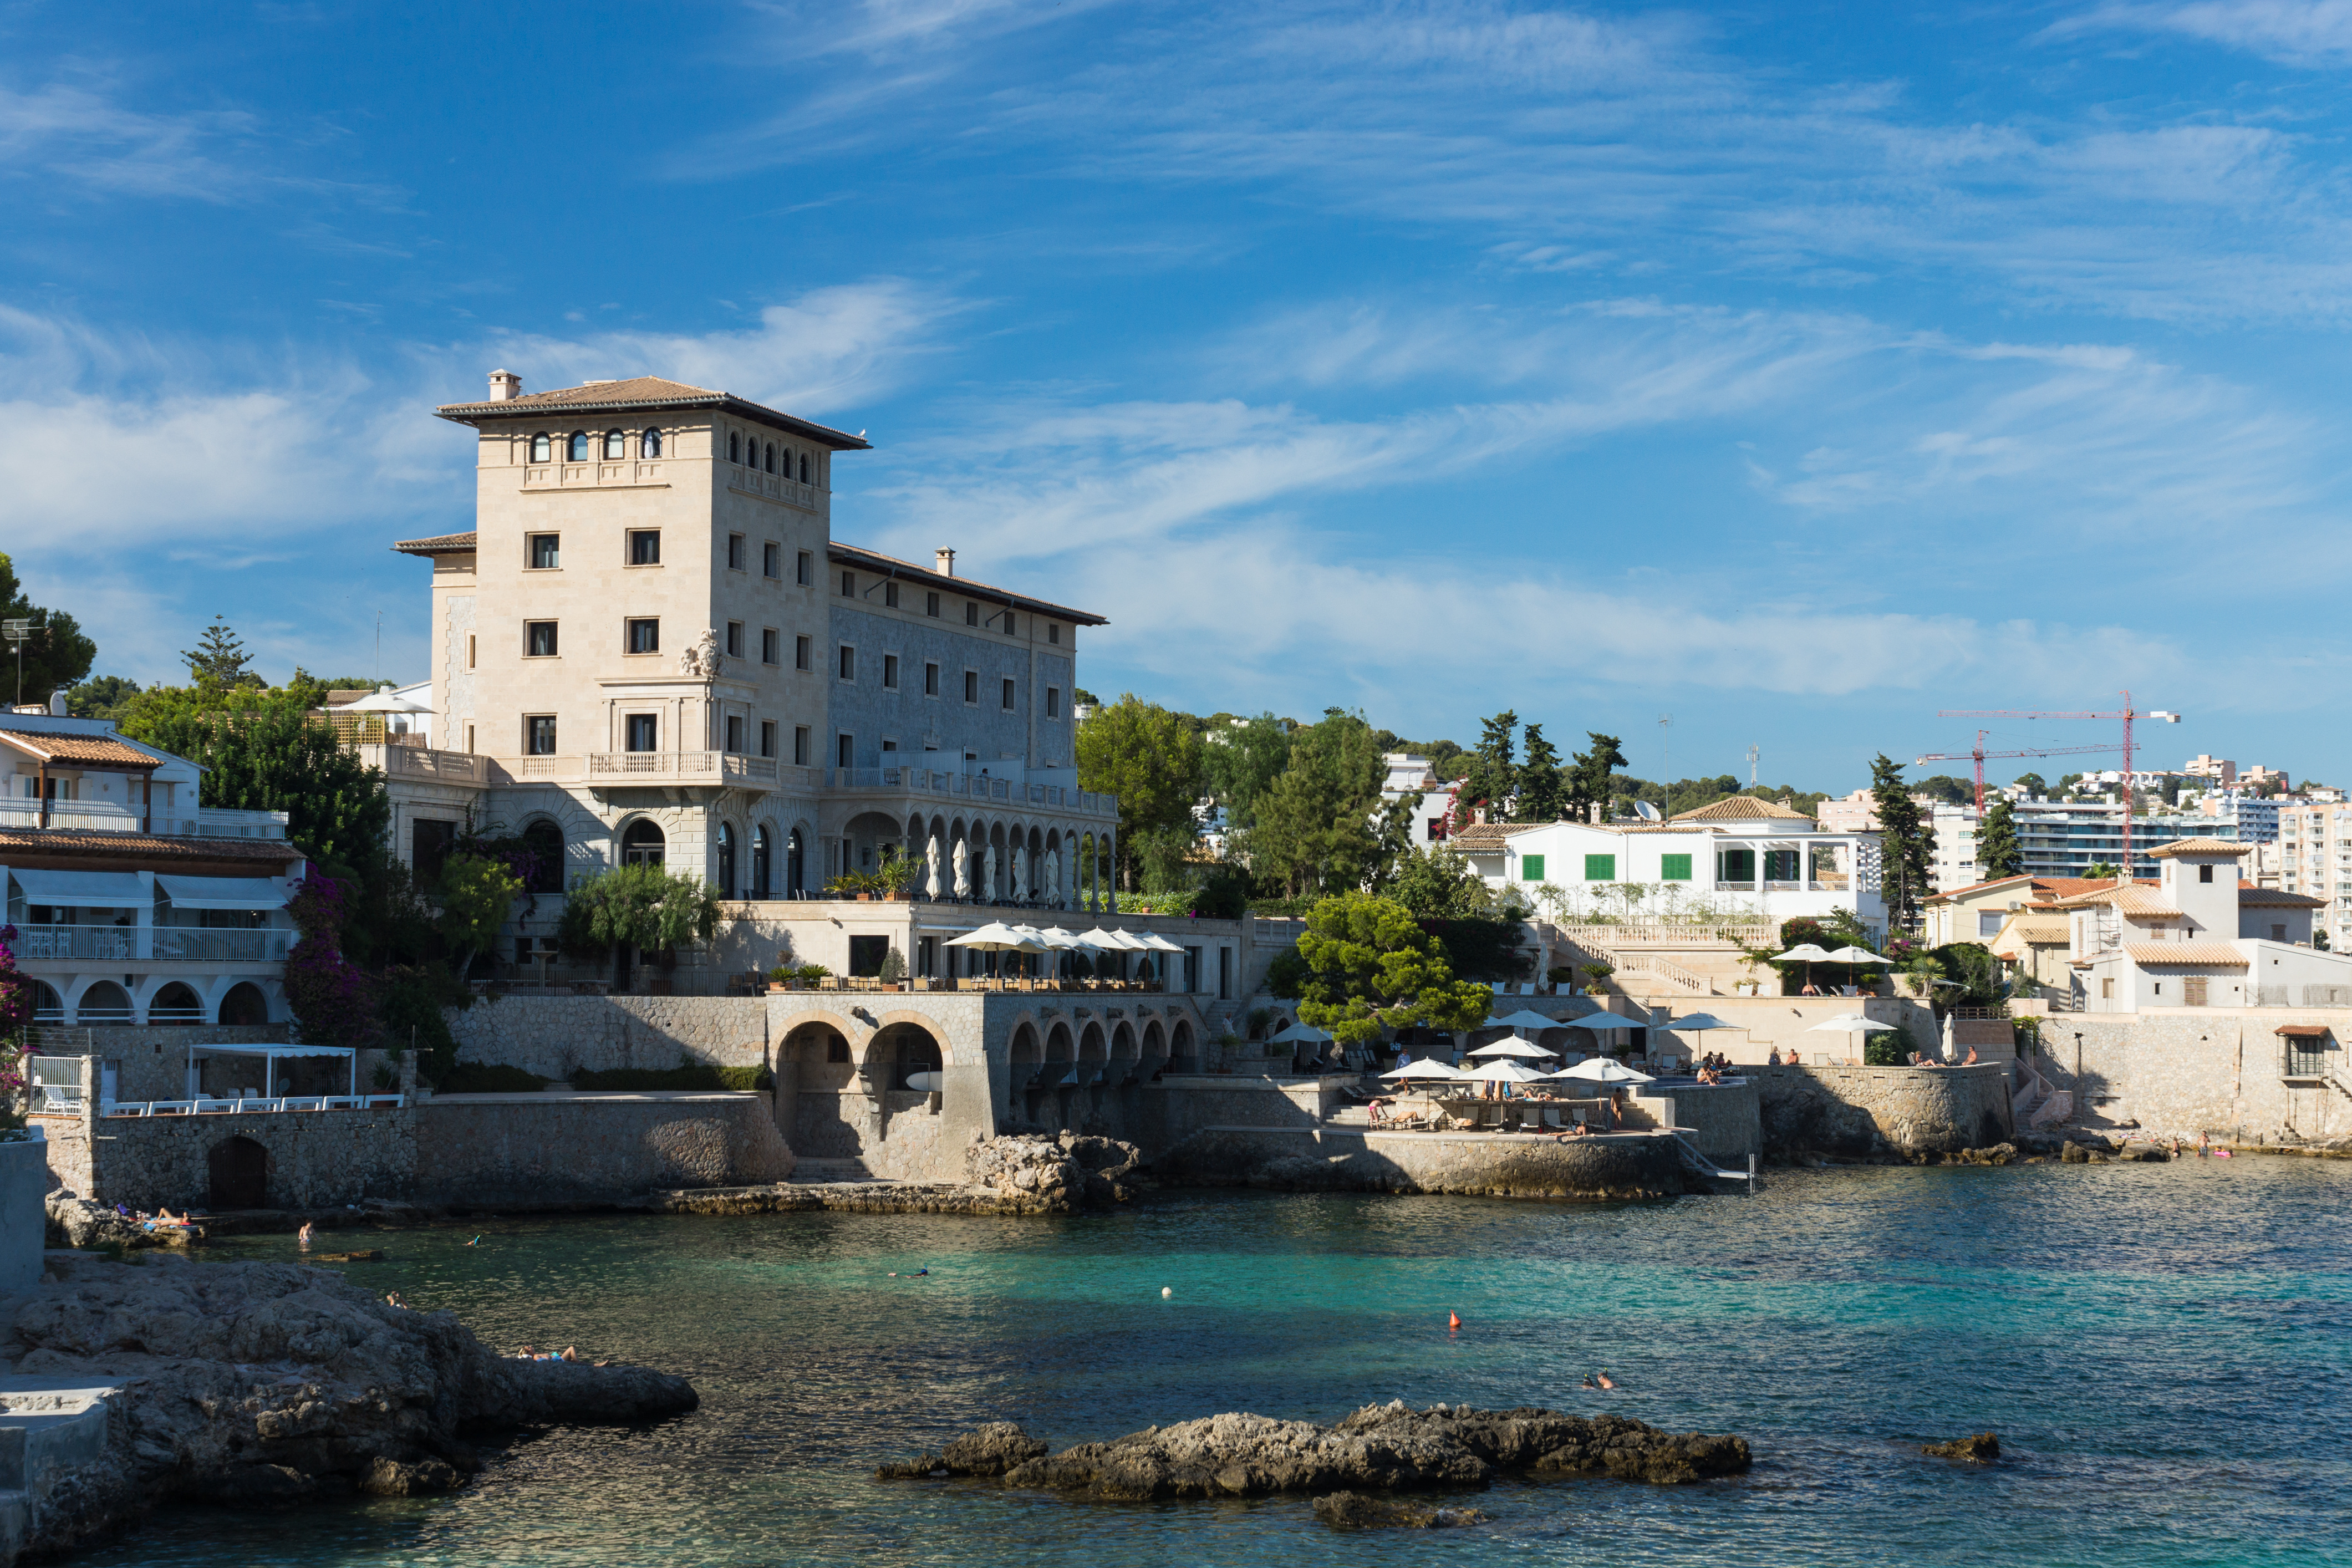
pixel 1158 943
pixel 1517 1048
pixel 1699 1024
pixel 1504 1072
pixel 997 937
pixel 1427 1067
pixel 1061 941
pixel 1298 1032
pixel 384 699
pixel 1808 954
pixel 1857 955
pixel 1603 1020
pixel 1525 1018
pixel 1602 1070
pixel 1849 1023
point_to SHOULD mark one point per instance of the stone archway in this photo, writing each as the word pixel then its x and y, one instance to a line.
pixel 899 1049
pixel 244 1005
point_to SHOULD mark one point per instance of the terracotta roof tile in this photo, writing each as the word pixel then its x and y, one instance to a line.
pixel 1489 835
pixel 438 544
pixel 915 572
pixel 1741 808
pixel 2277 899
pixel 2212 954
pixel 645 394
pixel 2132 900
pixel 2200 847
pixel 82 751
pixel 83 845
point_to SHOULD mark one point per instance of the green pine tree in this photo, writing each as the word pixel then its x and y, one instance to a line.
pixel 219 658
pixel 1543 795
pixel 1906 843
pixel 52 654
pixel 1589 776
pixel 1999 852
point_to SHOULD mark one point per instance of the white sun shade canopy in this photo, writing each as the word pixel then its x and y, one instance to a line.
pixel 85 890
pixel 223 892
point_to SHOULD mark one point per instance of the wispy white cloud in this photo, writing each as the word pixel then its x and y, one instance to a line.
pixel 1636 146
pixel 2294 32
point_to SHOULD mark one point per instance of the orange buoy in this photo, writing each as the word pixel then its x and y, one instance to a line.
pixel 1452 1320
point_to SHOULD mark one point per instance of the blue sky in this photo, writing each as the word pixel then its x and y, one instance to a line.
pixel 1795 370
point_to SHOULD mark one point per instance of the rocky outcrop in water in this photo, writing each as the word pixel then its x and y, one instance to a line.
pixel 1379 1448
pixel 275 1383
pixel 1981 1449
pixel 1361 1511
pixel 1048 1175
pixel 78 1222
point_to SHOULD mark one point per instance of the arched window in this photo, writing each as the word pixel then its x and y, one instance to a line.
pixel 545 842
pixel 542 450
pixel 649 444
pixel 771 456
pixel 642 844
pixel 804 467
pixel 576 448
pixel 795 866
pixel 734 448
pixel 725 861
pixel 762 880
pixel 244 1005
pixel 616 445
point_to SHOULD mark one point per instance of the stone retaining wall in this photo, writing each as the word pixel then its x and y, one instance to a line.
pixel 2187 1070
pixel 518 1148
pixel 1481 1164
pixel 1866 1111
pixel 1722 1120
pixel 555 1036
pixel 486 1148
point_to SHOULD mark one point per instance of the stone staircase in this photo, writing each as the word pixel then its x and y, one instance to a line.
pixel 2038 1102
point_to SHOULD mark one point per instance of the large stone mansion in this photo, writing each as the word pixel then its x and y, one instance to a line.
pixel 651 648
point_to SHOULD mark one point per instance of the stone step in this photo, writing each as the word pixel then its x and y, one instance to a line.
pixel 814 1171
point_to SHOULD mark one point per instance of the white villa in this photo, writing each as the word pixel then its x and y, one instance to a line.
pixel 1773 862
pixel 2198 939
pixel 133 902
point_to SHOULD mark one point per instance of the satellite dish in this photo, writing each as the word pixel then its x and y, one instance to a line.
pixel 1648 813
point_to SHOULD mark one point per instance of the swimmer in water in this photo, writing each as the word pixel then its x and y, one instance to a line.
pixel 1589 1382
pixel 303 1236
pixel 1605 1382
pixel 474 1242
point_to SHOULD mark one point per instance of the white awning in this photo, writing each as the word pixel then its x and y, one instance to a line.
pixel 280 1052
pixel 222 892
pixel 84 889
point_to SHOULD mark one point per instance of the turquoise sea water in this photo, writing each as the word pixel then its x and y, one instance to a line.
pixel 2163 1349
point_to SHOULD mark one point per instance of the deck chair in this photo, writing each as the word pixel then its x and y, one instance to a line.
pixel 1490 1115
pixel 1552 1117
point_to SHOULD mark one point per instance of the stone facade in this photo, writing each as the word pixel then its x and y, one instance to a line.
pixel 1620 1165
pixel 2191 1070
pixel 1868 1111
pixel 508 1149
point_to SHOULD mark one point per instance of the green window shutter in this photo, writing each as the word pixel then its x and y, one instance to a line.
pixel 1531 867
pixel 1600 867
pixel 1674 868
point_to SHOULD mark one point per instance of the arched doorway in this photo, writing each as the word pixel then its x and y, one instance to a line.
pixel 762 883
pixel 819 1055
pixel 795 866
pixel 899 1050
pixel 1026 1059
pixel 177 1004
pixel 545 842
pixel 49 1007
pixel 103 1002
pixel 239 1169
pixel 642 844
pixel 244 1005
pixel 1093 1058
pixel 725 861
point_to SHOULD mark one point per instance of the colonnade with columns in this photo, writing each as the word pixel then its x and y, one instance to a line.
pixel 1008 860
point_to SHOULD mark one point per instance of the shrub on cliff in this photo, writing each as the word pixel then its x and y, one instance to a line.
pixel 333 999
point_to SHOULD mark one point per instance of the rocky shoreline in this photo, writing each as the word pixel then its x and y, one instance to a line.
pixel 1380 1449
pixel 274 1384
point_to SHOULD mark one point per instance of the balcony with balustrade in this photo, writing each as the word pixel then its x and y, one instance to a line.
pixel 905 781
pixel 50 944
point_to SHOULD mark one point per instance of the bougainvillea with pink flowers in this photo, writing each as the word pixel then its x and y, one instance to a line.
pixel 332 996
pixel 15 1008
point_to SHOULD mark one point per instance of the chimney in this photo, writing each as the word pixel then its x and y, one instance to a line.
pixel 946 560
pixel 505 386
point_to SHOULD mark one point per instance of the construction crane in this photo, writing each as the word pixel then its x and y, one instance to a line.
pixel 2127 714
pixel 1979 754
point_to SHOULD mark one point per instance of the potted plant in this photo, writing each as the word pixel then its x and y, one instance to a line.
pixel 896 875
pixel 893 972
pixel 1562 974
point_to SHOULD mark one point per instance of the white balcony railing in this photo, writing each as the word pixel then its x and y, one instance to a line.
pixel 977 787
pixel 167 944
pixel 712 767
